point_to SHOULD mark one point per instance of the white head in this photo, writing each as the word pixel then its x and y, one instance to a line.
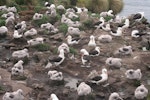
pixel 102 19
pixel 20 61
pixel 69 37
pixel 114 96
pixel 142 13
pixel 110 11
pixel 97 48
pixel 104 71
pixel 26 50
pixel 53 97
pixel 84 52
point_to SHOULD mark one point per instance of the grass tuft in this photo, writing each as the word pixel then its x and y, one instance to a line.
pixel 42 47
pixel 63 28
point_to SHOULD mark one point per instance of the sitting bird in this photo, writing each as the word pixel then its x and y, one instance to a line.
pixel 95 52
pixel 3 31
pixel 115 62
pixel 141 92
pixel 21 53
pixel 105 38
pixel 21 26
pixel 30 32
pixel 125 50
pixel 72 41
pixel 16 95
pixel 133 74
pixel 100 78
pixel 38 40
pixel 65 47
pixel 100 23
pixel 73 31
pixel 83 89
pixel 136 34
pixel 17 69
pixel 55 75
pixel 106 27
pixel 116 33
pixel 138 16
pixel 114 96
pixel 57 60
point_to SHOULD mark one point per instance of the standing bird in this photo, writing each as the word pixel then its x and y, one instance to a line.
pixel 100 78
pixel 95 52
pixel 139 16
pixel 92 42
pixel 85 57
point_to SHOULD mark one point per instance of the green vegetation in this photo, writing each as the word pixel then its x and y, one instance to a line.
pixel 41 21
pixel 42 47
pixel 63 28
pixel 73 50
pixel 88 23
pixel 137 83
pixel 107 18
pixel 18 77
pixel 2 22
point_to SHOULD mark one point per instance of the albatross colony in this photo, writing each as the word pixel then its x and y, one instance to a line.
pixel 69 45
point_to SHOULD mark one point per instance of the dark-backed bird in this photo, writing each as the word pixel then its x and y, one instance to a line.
pixel 58 59
pixel 72 41
pixel 100 23
pixel 118 32
pixel 95 52
pixel 138 16
pixel 136 34
pixel 100 78
pixel 85 58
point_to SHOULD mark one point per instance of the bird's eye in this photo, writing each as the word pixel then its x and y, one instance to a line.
pixel 142 90
pixel 115 98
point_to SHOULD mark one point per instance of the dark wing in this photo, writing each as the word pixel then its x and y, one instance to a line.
pixel 137 16
pixel 48 5
pixel 121 24
pixel 114 31
pixel 93 52
pixel 97 23
pixel 87 57
pixel 96 78
pixel 140 34
pixel 18 26
pixel 125 49
pixel 76 39
pixel 55 59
